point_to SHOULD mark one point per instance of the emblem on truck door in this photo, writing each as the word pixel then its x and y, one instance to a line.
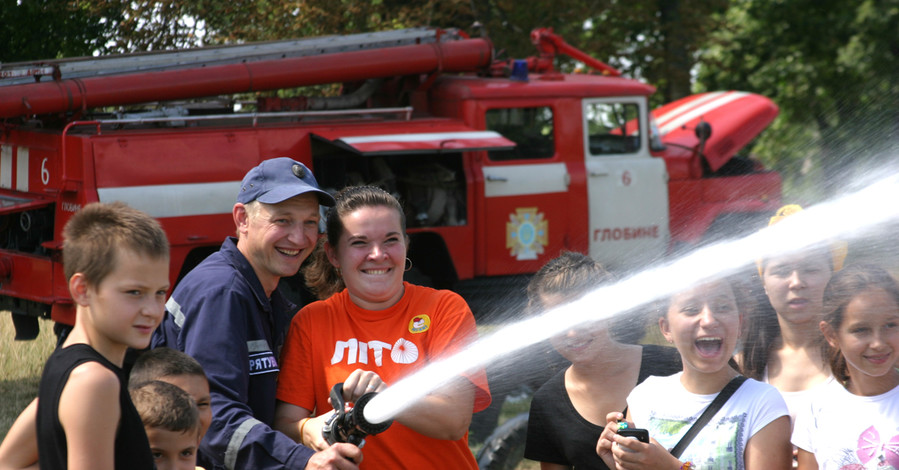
pixel 526 233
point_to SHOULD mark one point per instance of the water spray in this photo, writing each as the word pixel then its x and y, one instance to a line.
pixel 838 219
pixel 350 426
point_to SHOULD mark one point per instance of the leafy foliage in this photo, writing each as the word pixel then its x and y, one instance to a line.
pixel 248 20
pixel 152 25
pixel 829 65
pixel 48 29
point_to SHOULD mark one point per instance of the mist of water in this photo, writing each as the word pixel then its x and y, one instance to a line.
pixel 842 218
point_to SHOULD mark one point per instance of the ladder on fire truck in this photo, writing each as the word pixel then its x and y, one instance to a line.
pixel 19 73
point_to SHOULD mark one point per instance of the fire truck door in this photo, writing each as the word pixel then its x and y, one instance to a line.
pixel 525 194
pixel 626 186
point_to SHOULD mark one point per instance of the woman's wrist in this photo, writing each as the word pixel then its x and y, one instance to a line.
pixel 303 425
pixel 688 465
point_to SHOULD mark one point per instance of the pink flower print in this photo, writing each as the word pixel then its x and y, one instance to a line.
pixel 870 446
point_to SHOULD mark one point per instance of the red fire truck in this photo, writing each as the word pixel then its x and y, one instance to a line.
pixel 500 164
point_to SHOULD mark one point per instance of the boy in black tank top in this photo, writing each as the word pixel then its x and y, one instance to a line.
pixel 116 259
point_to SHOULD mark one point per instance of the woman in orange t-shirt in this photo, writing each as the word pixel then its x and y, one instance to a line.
pixel 375 331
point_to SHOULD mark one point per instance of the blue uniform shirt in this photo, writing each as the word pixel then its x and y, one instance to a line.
pixel 219 314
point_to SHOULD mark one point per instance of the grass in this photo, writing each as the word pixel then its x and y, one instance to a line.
pixel 21 363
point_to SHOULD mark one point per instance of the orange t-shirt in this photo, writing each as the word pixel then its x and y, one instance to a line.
pixel 331 338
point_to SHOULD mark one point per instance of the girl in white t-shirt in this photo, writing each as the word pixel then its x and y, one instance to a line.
pixel 782 344
pixel 749 432
pixel 853 423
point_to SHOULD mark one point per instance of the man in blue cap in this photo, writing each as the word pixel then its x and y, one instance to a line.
pixel 228 315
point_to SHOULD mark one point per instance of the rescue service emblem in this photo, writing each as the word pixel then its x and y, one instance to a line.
pixel 262 359
pixel 419 324
pixel 526 233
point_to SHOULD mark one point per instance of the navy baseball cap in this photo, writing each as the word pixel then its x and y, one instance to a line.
pixel 279 179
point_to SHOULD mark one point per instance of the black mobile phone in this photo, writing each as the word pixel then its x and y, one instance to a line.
pixel 641 435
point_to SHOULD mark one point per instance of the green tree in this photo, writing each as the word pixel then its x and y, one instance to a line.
pixel 249 20
pixel 49 29
pixel 155 25
pixel 830 65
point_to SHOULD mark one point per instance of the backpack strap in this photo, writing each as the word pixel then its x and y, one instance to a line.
pixel 706 415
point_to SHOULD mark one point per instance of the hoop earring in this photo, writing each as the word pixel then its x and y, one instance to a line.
pixel 408 265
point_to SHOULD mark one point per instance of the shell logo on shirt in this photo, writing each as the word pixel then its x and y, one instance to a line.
pixel 526 233
pixel 404 352
pixel 419 324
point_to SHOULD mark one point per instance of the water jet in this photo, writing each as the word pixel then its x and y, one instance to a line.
pixel 844 217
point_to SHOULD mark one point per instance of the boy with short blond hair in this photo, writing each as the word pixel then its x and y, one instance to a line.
pixel 116 260
pixel 172 423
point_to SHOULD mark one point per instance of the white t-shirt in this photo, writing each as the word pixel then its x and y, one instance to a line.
pixel 662 406
pixel 850 431
pixel 799 399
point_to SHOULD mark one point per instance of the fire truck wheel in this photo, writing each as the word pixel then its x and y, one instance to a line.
pixel 504 448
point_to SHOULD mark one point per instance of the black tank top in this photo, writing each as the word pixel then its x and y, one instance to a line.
pixel 132 449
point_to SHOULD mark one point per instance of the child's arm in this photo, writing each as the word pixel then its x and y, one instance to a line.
pixel 89 413
pixel 807 460
pixel 19 449
pixel 770 448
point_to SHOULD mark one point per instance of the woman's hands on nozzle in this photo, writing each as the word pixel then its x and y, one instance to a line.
pixel 312 432
pixel 360 382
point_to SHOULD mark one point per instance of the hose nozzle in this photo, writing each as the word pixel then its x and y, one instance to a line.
pixel 350 426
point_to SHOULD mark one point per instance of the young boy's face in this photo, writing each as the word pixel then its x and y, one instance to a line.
pixel 128 304
pixel 173 450
pixel 198 389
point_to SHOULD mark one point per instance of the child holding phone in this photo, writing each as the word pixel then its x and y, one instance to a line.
pixel 854 422
pixel 748 432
